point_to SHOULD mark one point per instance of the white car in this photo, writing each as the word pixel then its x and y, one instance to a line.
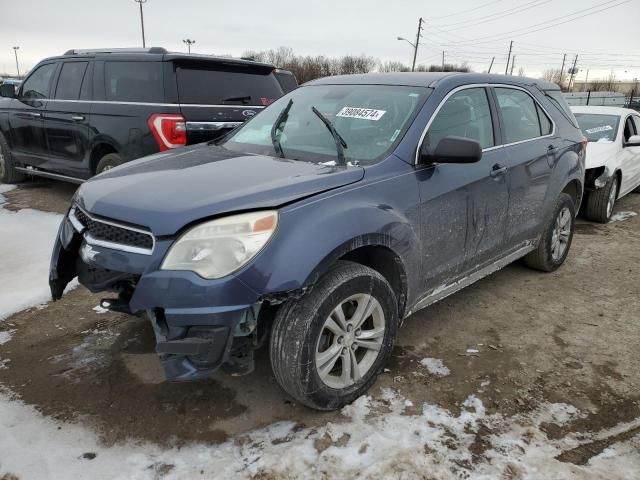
pixel 613 156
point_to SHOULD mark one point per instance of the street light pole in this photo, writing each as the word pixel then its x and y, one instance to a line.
pixel 15 51
pixel 140 2
pixel 188 42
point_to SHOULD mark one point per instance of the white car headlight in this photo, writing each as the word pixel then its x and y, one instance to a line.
pixel 217 248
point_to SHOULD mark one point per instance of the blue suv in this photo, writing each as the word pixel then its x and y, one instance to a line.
pixel 320 224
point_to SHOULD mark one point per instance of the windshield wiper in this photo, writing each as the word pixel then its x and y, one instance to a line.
pixel 280 120
pixel 240 98
pixel 340 143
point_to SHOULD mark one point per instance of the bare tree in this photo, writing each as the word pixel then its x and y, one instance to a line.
pixel 521 72
pixel 393 67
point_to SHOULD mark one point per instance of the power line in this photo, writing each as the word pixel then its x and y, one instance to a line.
pixel 465 11
pixel 514 33
pixel 505 13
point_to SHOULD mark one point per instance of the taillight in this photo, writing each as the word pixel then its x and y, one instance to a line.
pixel 169 130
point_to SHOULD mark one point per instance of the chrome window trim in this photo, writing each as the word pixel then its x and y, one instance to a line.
pixel 485 85
pixel 208 126
pixel 104 243
pixel 179 105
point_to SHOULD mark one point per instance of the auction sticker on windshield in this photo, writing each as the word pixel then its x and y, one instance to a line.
pixel 363 113
pixel 603 128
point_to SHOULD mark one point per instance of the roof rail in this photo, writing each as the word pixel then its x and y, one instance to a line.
pixel 115 50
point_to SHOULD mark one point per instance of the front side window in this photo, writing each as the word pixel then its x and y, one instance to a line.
pixel 134 81
pixel 598 128
pixel 371 119
pixel 37 85
pixel 520 115
pixel 465 114
pixel 70 80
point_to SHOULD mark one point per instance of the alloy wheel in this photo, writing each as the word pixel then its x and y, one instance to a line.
pixel 561 234
pixel 350 341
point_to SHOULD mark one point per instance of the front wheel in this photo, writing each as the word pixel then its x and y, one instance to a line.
pixel 556 238
pixel 328 348
pixel 108 162
pixel 600 202
pixel 8 173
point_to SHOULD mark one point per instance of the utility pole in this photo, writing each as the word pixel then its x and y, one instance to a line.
pixel 513 61
pixel 15 51
pixel 140 2
pixel 564 57
pixel 443 60
pixel 506 69
pixel 415 47
pixel 573 72
pixel 586 79
pixel 491 64
pixel 188 42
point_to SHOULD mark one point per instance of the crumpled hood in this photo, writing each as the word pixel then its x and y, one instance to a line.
pixel 168 190
pixel 599 153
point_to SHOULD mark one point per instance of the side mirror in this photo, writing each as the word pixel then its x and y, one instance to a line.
pixel 634 141
pixel 7 90
pixel 452 149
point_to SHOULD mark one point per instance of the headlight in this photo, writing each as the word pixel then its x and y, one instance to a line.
pixel 219 247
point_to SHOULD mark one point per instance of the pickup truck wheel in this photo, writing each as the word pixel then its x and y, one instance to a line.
pixel 328 347
pixel 600 202
pixel 8 173
pixel 555 241
pixel 107 162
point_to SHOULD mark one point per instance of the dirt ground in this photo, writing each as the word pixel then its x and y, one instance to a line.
pixel 570 336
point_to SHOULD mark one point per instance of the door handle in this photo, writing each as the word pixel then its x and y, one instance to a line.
pixel 35 114
pixel 498 170
pixel 77 118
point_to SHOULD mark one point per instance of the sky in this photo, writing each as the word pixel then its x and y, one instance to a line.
pixel 606 38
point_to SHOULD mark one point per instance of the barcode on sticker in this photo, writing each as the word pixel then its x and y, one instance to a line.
pixel 603 128
pixel 362 113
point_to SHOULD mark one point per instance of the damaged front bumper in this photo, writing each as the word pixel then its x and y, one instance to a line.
pixel 596 178
pixel 193 337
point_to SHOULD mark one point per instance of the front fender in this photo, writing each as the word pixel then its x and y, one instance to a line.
pixel 312 236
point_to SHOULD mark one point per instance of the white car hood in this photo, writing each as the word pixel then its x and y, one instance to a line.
pixel 600 153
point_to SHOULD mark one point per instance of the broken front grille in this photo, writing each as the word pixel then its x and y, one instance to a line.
pixel 111 235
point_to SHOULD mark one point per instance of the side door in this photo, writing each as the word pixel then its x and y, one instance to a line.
pixel 463 206
pixel 67 118
pixel 630 160
pixel 26 117
pixel 531 146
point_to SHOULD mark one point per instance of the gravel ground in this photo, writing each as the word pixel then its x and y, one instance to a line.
pixel 567 337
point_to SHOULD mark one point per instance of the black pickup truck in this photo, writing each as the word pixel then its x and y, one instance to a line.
pixel 87 111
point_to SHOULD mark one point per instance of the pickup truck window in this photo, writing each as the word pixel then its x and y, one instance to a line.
pixel 134 81
pixel 37 85
pixel 70 80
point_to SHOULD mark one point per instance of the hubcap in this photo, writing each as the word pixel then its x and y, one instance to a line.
pixel 612 198
pixel 561 234
pixel 350 341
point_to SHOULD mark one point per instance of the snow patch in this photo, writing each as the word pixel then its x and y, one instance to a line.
pixel 5 336
pixel 622 216
pixel 100 310
pixel 435 366
pixel 26 241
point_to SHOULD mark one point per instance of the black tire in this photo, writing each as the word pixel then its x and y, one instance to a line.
pixel 107 162
pixel 298 330
pixel 542 258
pixel 598 207
pixel 8 174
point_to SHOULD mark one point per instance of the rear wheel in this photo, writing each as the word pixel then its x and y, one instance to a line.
pixel 8 173
pixel 108 162
pixel 555 241
pixel 328 348
pixel 600 202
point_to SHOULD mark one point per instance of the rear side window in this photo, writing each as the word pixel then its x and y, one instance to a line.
pixel 465 114
pixel 37 85
pixel 287 80
pixel 70 80
pixel 546 127
pixel 520 115
pixel 556 97
pixel 134 81
pixel 226 86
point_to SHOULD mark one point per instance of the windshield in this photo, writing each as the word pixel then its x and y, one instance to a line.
pixel 598 128
pixel 369 119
